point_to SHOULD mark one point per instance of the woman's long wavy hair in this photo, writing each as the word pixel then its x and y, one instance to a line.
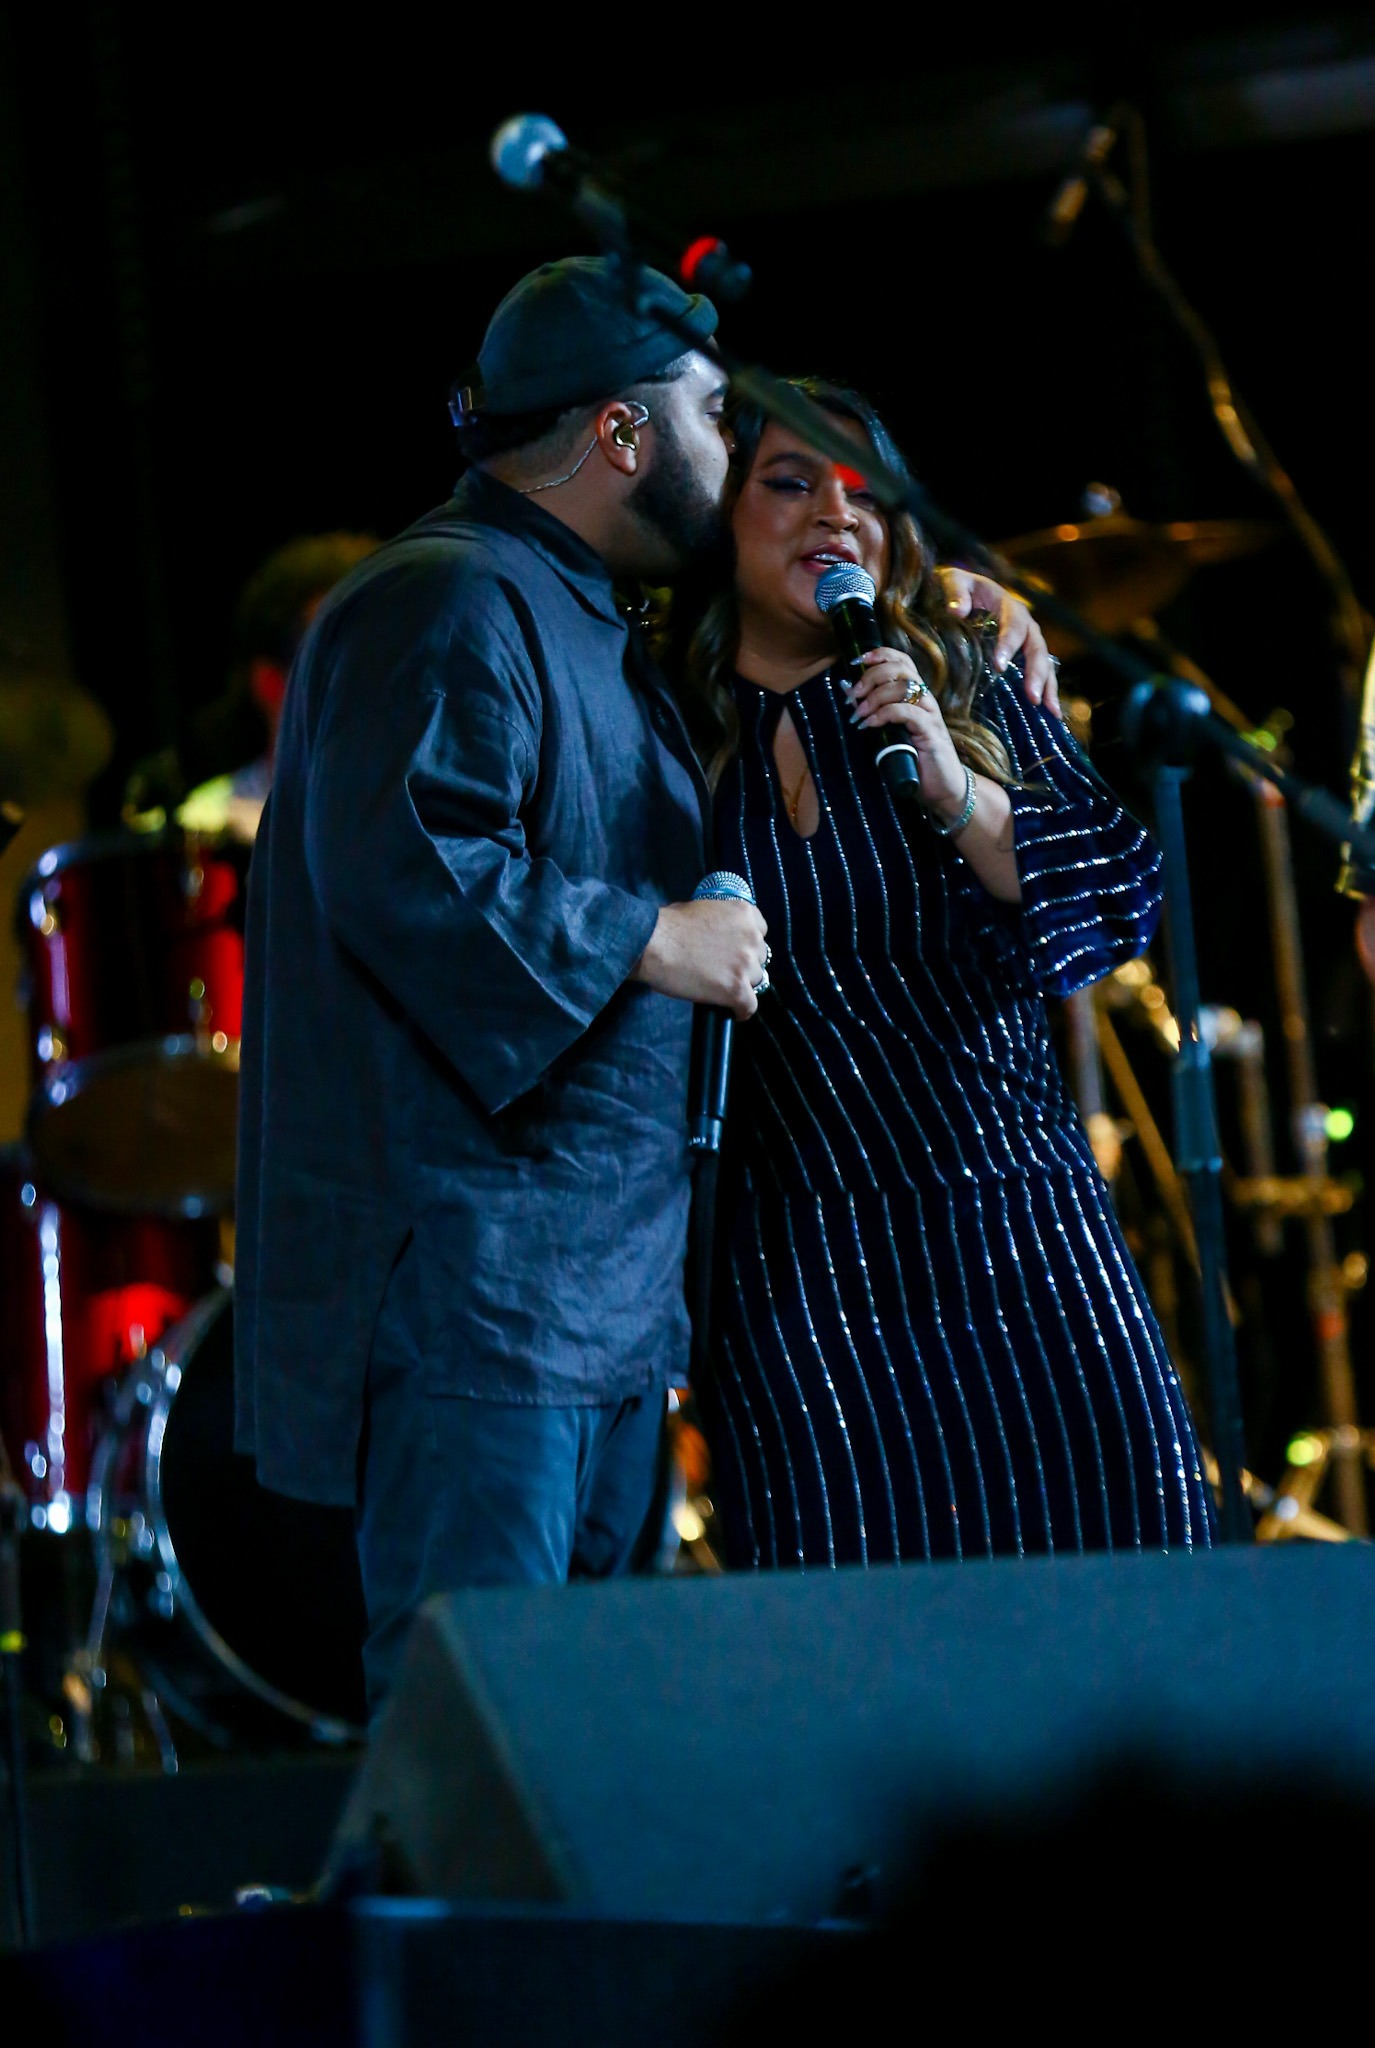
pixel 912 609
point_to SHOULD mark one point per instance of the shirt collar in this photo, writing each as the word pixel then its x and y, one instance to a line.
pixel 487 500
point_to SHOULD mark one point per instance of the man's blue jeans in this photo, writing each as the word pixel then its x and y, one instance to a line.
pixel 461 1492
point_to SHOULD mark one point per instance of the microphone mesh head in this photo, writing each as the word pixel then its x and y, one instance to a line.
pixel 722 885
pixel 846 580
pixel 520 146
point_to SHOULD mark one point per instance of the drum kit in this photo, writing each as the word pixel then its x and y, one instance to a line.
pixel 221 1614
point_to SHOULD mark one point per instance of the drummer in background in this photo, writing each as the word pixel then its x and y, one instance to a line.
pixel 217 778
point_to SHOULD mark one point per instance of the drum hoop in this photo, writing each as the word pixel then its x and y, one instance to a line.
pixel 95 846
pixel 164 1360
pixel 72 1077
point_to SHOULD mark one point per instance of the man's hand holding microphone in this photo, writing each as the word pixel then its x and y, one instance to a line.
pixel 709 951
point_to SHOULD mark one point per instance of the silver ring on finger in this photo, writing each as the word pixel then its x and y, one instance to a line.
pixel 768 955
pixel 763 982
pixel 916 690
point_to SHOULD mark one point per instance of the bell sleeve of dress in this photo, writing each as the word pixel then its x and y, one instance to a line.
pixel 1090 873
pixel 428 742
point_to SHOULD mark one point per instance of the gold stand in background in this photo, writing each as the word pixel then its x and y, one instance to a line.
pixel 1289 1512
pixel 1272 1199
pixel 1086 1078
pixel 1326 1286
pixel 1169 1185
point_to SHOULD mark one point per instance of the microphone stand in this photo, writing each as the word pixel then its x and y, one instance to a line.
pixel 1127 207
pixel 1236 422
pixel 1166 722
pixel 1169 720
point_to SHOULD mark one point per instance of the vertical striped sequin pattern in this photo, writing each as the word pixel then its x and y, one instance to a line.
pixel 930 1338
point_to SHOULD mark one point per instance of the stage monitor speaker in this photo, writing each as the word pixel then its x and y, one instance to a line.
pixel 772 1747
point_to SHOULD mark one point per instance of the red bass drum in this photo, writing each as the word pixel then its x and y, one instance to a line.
pixel 82 1296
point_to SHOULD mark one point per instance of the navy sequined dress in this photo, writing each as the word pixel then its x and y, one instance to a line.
pixel 930 1339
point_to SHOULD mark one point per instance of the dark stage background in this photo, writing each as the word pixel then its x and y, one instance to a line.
pixel 261 244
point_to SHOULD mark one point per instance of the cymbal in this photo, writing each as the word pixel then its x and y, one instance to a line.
pixel 1116 569
pixel 54 737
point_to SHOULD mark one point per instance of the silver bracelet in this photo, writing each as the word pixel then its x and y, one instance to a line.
pixel 971 798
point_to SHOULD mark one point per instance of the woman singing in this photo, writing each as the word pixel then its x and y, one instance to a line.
pixel 930 1339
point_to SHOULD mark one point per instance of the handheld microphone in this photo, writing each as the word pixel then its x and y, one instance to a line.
pixel 709 1070
pixel 846 595
pixel 1073 191
pixel 532 153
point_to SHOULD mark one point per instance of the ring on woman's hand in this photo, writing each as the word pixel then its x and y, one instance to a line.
pixel 768 955
pixel 762 983
pixel 916 690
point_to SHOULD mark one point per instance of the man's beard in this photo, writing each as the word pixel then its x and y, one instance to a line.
pixel 673 503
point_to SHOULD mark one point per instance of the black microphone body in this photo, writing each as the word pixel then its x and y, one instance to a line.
pixel 851 616
pixel 532 153
pixel 708 1077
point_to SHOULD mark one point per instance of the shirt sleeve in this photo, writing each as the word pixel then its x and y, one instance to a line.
pixel 1090 874
pixel 426 746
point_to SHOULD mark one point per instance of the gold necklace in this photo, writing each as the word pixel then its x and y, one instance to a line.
pixel 792 804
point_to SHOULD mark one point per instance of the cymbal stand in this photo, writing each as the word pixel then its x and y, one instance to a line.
pixel 1244 1048
pixel 1326 1288
pixel 12 1644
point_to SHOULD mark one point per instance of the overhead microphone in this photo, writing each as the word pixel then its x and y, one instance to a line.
pixel 521 149
pixel 531 153
pixel 846 595
pixel 1073 191
pixel 712 1028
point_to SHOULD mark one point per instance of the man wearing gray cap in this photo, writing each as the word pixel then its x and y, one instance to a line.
pixel 463 1179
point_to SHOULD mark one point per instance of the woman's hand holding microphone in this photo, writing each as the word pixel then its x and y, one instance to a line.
pixel 891 691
